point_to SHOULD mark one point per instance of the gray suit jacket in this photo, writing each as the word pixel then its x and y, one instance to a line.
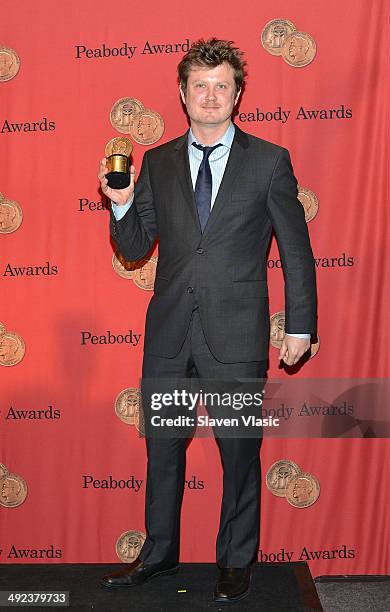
pixel 224 269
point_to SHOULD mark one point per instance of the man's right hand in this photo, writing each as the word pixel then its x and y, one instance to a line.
pixel 119 196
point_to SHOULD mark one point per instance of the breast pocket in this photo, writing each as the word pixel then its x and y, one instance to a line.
pixel 246 190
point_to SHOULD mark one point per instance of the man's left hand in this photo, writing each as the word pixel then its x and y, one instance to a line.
pixel 292 349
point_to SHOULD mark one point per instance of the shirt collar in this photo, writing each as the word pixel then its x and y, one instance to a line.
pixel 226 139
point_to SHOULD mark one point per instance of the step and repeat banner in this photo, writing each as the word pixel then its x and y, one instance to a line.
pixel 78 80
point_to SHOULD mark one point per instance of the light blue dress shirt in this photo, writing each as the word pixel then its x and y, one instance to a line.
pixel 218 160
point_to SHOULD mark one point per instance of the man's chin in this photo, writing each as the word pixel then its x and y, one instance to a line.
pixel 211 120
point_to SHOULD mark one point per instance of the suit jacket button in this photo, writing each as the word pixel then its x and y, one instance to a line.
pixel 200 251
pixel 190 290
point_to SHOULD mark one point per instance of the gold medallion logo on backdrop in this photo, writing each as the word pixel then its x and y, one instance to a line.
pixel 275 33
pixel 122 267
pixel 279 475
pixel 123 113
pixel 280 37
pixel 309 201
pixel 129 410
pixel 9 64
pixel 145 275
pixel 13 488
pixel 286 479
pixel 11 215
pixel 147 127
pixel 129 116
pixel 12 347
pixel 143 272
pixel 129 544
pixel 303 490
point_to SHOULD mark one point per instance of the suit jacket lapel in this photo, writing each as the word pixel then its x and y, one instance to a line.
pixel 184 177
pixel 236 160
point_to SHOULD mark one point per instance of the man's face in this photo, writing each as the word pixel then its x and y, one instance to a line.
pixel 210 95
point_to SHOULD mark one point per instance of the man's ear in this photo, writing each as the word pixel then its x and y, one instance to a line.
pixel 182 95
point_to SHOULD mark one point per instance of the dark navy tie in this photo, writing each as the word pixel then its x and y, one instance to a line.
pixel 204 185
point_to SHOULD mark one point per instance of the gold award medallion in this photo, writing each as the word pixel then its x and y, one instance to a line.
pixel 275 33
pixel 299 49
pixel 145 275
pixel 123 113
pixel 277 329
pixel 13 490
pixel 9 63
pixel 129 545
pixel 12 348
pixel 127 405
pixel 279 475
pixel 147 127
pixel 303 490
pixel 120 145
pixel 123 268
pixel 11 216
pixel 309 201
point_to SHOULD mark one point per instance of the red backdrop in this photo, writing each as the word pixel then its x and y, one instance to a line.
pixel 342 159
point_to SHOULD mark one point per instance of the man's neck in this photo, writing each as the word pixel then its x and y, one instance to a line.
pixel 209 134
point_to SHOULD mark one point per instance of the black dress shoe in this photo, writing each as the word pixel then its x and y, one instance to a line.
pixel 233 584
pixel 137 573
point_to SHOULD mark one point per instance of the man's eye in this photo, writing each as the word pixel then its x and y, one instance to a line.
pixel 222 86
pixel 199 85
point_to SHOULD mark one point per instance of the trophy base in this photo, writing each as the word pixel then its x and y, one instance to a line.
pixel 118 180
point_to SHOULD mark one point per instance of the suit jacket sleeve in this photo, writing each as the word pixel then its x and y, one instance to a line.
pixel 135 233
pixel 288 220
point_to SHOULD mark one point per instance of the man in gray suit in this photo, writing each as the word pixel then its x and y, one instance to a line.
pixel 212 197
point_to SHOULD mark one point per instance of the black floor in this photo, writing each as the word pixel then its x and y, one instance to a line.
pixel 276 587
pixel 354 593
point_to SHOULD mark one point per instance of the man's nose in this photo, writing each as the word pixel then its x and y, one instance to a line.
pixel 210 94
